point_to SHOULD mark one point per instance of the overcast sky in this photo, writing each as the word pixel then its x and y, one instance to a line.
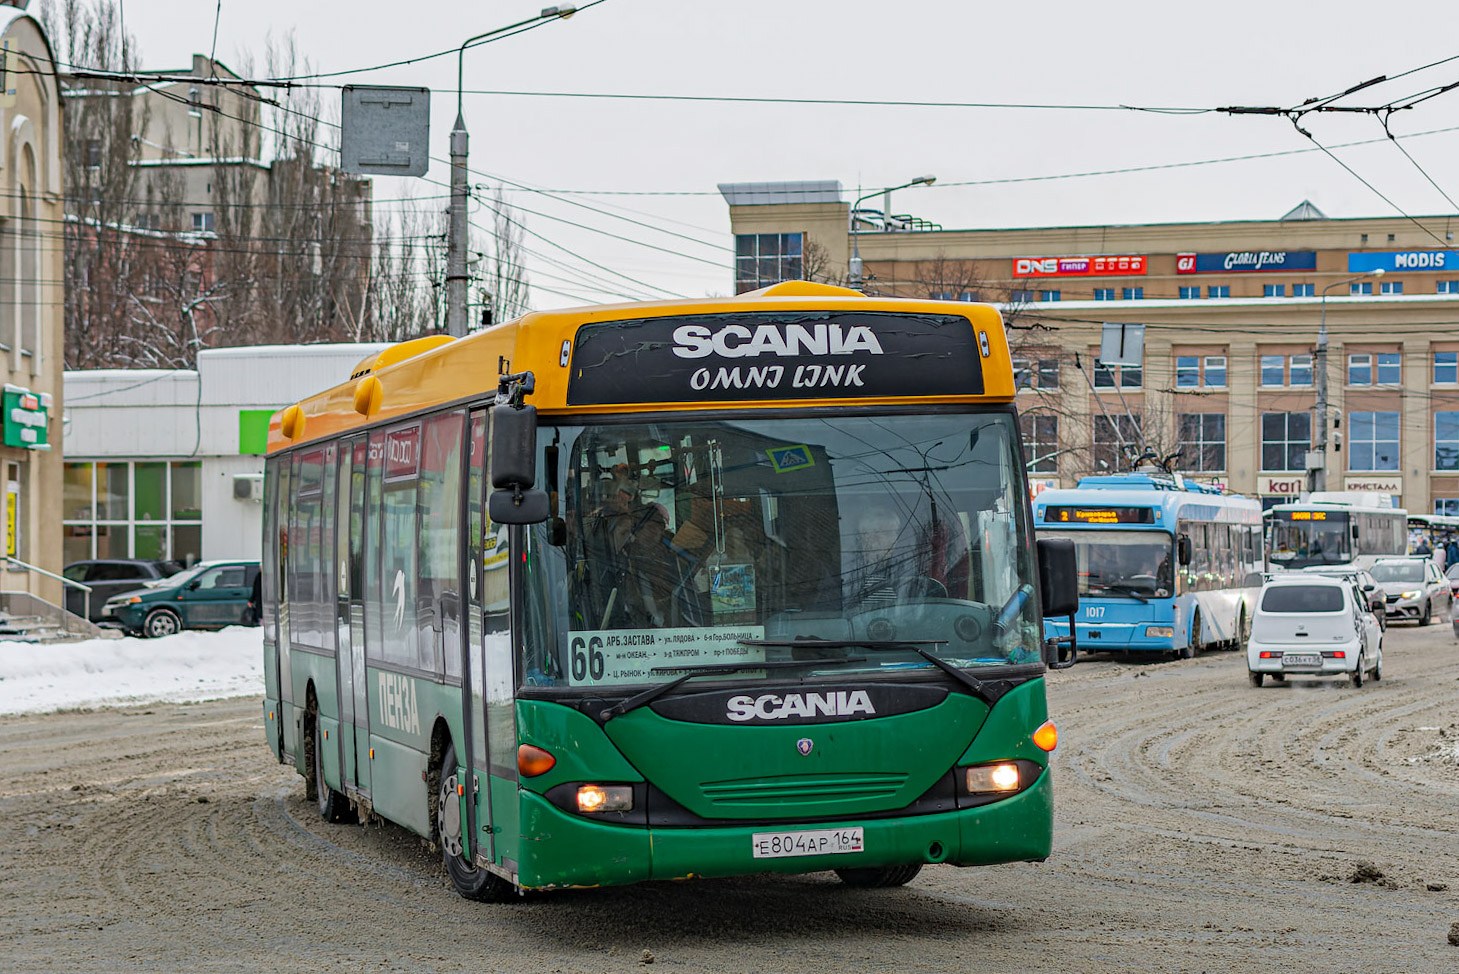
pixel 1163 54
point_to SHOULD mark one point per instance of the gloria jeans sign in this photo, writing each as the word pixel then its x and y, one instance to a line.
pixel 1246 261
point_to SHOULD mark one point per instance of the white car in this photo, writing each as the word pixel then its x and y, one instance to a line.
pixel 1312 625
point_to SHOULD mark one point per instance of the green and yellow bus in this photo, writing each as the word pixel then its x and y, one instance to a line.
pixel 670 590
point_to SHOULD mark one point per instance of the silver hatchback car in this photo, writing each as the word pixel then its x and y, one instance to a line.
pixel 1414 588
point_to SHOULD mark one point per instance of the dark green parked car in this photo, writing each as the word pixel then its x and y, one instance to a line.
pixel 209 595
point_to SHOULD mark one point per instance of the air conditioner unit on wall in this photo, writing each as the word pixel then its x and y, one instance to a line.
pixel 248 486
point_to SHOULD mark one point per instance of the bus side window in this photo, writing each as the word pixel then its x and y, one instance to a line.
pixel 374 604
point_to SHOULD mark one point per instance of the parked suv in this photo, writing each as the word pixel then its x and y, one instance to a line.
pixel 1413 587
pixel 210 595
pixel 111 576
pixel 1312 625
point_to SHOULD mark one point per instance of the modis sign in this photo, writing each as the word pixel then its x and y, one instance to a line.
pixel 1403 260
pixel 788 355
pixel 1078 266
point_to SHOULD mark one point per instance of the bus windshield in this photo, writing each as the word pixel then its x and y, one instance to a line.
pixel 1121 564
pixel 1302 538
pixel 714 541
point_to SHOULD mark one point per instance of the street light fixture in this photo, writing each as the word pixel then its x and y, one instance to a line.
pixel 886 194
pixel 1319 357
pixel 456 275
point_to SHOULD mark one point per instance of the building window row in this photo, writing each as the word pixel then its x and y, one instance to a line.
pixel 1383 369
pixel 1286 439
pixel 1036 373
pixel 1286 370
pixel 1122 376
pixel 1194 371
pixel 762 259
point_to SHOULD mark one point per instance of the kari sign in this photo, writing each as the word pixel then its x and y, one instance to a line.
pixel 1403 260
pixel 1246 261
pixel 1281 486
pixel 1078 266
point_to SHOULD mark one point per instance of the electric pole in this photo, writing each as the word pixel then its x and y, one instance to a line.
pixel 456 227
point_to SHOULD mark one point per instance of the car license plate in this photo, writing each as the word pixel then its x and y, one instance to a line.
pixel 1302 659
pixel 820 842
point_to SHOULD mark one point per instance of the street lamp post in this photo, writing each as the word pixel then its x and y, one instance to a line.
pixel 1318 474
pixel 456 275
pixel 854 270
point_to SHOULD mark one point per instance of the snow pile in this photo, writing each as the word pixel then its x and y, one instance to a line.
pixel 189 666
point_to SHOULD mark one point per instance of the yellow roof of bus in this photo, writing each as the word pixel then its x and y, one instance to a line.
pixel 417 375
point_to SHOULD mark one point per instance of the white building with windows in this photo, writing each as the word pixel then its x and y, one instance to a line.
pixel 169 463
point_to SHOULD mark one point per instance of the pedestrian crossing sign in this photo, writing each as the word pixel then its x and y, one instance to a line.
pixel 787 458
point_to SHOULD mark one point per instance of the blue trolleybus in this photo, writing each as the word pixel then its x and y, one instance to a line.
pixel 1165 565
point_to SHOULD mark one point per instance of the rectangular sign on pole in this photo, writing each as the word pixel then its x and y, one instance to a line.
pixel 385 131
pixel 1122 345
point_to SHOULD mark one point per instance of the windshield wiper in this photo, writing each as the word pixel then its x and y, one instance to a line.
pixel 986 690
pixel 1124 589
pixel 690 672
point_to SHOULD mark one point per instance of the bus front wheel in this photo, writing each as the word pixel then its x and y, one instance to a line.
pixel 1192 645
pixel 469 879
pixel 879 878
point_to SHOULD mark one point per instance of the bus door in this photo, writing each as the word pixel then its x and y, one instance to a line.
pixel 473 684
pixel 489 682
pixel 349 611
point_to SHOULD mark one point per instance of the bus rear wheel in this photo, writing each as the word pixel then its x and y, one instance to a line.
pixel 1243 630
pixel 879 877
pixel 469 879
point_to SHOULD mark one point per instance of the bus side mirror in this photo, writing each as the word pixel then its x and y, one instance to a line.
pixel 1058 577
pixel 1183 549
pixel 1355 532
pixel 1059 592
pixel 514 467
pixel 513 446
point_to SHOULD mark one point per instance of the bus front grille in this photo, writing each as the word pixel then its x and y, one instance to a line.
pixel 803 789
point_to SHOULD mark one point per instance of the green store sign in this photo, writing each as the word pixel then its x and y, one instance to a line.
pixel 27 418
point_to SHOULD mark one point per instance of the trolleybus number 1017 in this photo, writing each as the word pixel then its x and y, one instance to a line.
pixel 778 845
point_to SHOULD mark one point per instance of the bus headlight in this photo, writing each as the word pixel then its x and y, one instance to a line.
pixel 605 798
pixel 1159 632
pixel 992 778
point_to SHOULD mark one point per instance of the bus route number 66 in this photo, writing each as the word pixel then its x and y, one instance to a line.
pixel 587 659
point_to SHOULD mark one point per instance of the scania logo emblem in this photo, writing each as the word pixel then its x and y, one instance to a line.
pixel 804 746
